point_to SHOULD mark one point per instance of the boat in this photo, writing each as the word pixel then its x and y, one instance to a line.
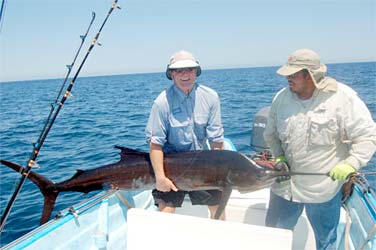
pixel 120 219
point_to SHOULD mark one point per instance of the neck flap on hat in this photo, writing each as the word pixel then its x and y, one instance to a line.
pixel 322 82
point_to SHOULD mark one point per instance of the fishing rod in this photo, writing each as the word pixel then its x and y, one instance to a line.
pixel 48 123
pixel 286 173
pixel 37 146
pixel 291 173
pixel 44 132
pixel 2 14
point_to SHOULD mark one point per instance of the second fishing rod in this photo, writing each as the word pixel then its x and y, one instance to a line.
pixel 52 116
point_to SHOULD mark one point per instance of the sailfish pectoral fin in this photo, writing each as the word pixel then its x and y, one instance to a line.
pixel 223 202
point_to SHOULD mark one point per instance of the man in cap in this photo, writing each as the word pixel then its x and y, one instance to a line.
pixel 316 125
pixel 183 117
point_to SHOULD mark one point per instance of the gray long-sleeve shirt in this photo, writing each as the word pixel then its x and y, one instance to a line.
pixel 332 127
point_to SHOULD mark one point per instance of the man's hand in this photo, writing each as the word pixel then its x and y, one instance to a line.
pixel 281 165
pixel 341 171
pixel 280 158
pixel 164 184
pixel 265 163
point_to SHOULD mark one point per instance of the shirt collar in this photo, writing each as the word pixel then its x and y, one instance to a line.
pixel 182 96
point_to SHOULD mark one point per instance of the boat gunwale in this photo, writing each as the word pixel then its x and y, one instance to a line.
pixel 63 217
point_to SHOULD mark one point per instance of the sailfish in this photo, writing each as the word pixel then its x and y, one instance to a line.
pixel 223 170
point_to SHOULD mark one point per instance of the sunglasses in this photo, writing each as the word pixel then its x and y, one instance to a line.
pixel 294 75
pixel 189 70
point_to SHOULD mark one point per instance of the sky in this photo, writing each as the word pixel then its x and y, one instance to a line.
pixel 39 37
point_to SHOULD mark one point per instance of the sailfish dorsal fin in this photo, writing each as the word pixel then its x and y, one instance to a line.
pixel 129 152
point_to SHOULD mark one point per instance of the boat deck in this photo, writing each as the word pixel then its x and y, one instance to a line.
pixel 107 222
pixel 250 208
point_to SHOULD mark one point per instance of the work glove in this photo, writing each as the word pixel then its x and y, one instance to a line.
pixel 341 171
pixel 281 165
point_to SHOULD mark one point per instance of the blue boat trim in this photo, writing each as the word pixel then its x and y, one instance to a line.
pixel 66 217
pixel 229 145
pixel 369 201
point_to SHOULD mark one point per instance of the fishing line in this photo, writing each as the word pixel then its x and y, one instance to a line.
pixel 51 119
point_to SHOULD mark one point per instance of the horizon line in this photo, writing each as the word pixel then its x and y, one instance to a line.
pixel 162 72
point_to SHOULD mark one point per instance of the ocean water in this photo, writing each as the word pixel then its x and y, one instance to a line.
pixel 113 110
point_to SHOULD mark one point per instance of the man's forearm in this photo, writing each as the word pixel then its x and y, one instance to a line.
pixel 156 158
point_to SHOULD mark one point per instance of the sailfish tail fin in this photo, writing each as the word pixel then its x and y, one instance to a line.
pixel 46 187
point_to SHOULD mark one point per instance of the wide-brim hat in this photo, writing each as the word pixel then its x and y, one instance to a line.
pixel 302 59
pixel 184 64
pixel 182 59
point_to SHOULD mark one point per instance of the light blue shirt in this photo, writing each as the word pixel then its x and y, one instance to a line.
pixel 180 122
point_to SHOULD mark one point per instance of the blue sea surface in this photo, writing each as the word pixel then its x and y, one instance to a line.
pixel 113 110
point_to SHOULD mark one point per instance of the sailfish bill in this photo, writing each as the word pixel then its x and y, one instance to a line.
pixel 194 170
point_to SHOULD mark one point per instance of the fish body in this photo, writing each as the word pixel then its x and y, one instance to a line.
pixel 192 170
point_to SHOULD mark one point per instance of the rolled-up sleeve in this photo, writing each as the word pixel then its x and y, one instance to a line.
pixel 214 130
pixel 156 128
pixel 361 131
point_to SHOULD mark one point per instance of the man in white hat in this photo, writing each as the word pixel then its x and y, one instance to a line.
pixel 315 125
pixel 183 118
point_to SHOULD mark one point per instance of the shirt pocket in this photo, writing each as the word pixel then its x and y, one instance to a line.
pixel 180 132
pixel 201 122
pixel 323 130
